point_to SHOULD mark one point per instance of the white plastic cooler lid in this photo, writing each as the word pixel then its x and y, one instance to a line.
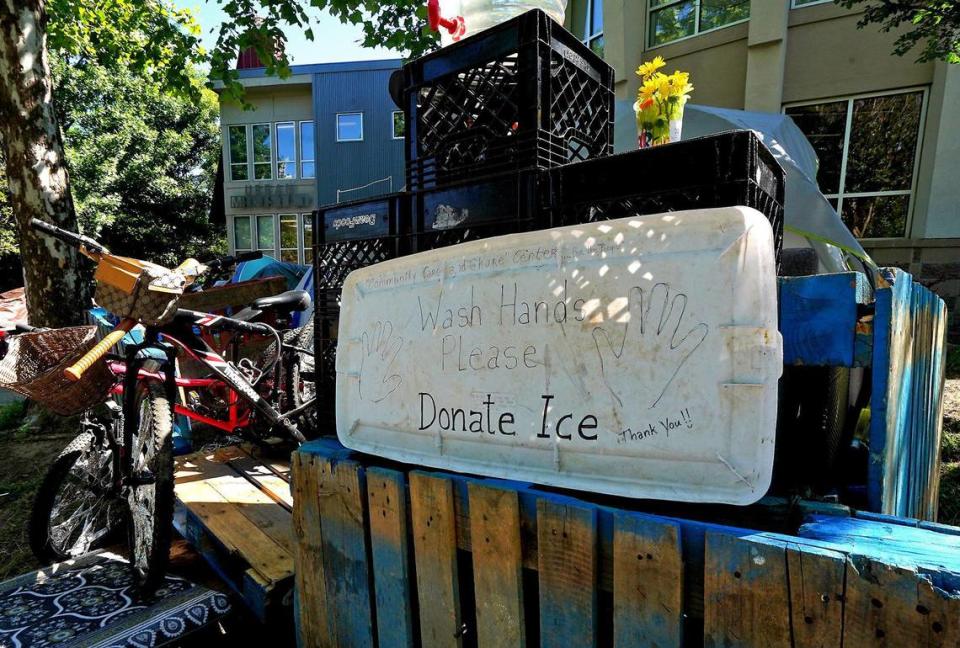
pixel 635 357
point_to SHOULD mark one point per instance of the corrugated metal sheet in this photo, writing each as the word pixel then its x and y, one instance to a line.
pixel 363 169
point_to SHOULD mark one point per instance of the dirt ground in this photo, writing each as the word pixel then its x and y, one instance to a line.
pixel 28 444
pixel 950 454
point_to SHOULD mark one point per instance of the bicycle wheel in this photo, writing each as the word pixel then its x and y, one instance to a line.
pixel 75 510
pixel 302 386
pixel 150 496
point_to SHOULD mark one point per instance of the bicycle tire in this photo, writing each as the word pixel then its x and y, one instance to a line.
pixel 47 542
pixel 150 506
pixel 302 385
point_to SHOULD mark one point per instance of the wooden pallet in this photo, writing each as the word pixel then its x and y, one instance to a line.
pixel 235 508
pixel 394 556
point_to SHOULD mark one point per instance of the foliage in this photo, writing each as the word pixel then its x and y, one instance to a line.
pixel 399 25
pixel 936 23
pixel 142 160
pixel 150 38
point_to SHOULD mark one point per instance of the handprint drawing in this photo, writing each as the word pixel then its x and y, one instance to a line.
pixel 379 350
pixel 653 350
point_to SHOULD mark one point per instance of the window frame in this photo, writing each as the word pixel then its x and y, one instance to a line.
pixel 696 22
pixel 273 156
pixel 233 233
pixel 313 151
pixel 589 37
pixel 295 217
pixel 296 150
pixel 336 126
pixel 304 218
pixel 841 194
pixel 796 4
pixel 247 143
pixel 393 124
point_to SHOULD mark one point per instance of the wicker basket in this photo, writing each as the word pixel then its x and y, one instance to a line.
pixel 34 364
pixel 130 288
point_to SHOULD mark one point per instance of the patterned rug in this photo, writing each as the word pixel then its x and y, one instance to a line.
pixel 90 602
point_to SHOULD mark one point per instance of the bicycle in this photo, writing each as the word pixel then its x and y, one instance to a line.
pixel 123 461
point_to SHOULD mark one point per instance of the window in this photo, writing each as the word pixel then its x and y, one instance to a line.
pixel 262 152
pixel 307 238
pixel 286 150
pixel 238 153
pixel 803 3
pixel 289 238
pixel 350 127
pixel 587 23
pixel 242 234
pixel 868 150
pixel 266 237
pixel 307 166
pixel 672 20
pixel 398 120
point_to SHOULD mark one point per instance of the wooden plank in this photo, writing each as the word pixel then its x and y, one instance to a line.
pixel 234 529
pixel 266 479
pixel 567 547
pixel 746 596
pixel 390 551
pixel 310 584
pixel 342 496
pixel 497 566
pixel 647 582
pixel 816 596
pixel 891 372
pixel 819 319
pixel 435 550
pixel 253 503
pixel 886 605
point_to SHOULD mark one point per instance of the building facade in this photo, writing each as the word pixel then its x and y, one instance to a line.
pixel 327 133
pixel 886 129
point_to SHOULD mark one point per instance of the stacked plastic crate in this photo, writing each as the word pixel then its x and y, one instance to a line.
pixel 486 120
pixel 509 131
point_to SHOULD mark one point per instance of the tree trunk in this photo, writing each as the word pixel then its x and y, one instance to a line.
pixel 56 288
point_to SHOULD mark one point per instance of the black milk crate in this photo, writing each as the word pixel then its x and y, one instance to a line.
pixel 723 170
pixel 505 204
pixel 347 237
pixel 525 94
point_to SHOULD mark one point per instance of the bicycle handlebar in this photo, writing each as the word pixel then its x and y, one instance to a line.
pixel 71 238
pixel 76 371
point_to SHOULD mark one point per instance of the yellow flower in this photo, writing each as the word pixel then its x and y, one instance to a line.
pixel 647 69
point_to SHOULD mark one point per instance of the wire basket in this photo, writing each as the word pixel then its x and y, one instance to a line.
pixel 130 288
pixel 34 364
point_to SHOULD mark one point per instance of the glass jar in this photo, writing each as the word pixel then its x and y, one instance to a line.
pixel 483 14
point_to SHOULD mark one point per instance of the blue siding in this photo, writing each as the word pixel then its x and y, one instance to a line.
pixel 348 165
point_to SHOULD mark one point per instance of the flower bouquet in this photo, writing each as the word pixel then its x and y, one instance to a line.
pixel 660 103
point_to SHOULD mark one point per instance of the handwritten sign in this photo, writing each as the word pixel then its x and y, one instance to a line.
pixel 635 357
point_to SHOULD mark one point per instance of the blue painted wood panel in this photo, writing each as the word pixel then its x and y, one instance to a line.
pixel 819 317
pixel 907 397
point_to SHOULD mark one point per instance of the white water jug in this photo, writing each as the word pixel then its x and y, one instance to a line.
pixel 478 15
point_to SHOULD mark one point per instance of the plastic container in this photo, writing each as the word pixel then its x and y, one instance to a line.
pixel 723 170
pixel 479 15
pixel 636 357
pixel 525 94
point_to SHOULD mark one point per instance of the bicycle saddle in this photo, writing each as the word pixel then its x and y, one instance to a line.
pixel 292 300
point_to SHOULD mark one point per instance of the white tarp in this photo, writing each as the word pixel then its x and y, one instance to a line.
pixel 807 213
